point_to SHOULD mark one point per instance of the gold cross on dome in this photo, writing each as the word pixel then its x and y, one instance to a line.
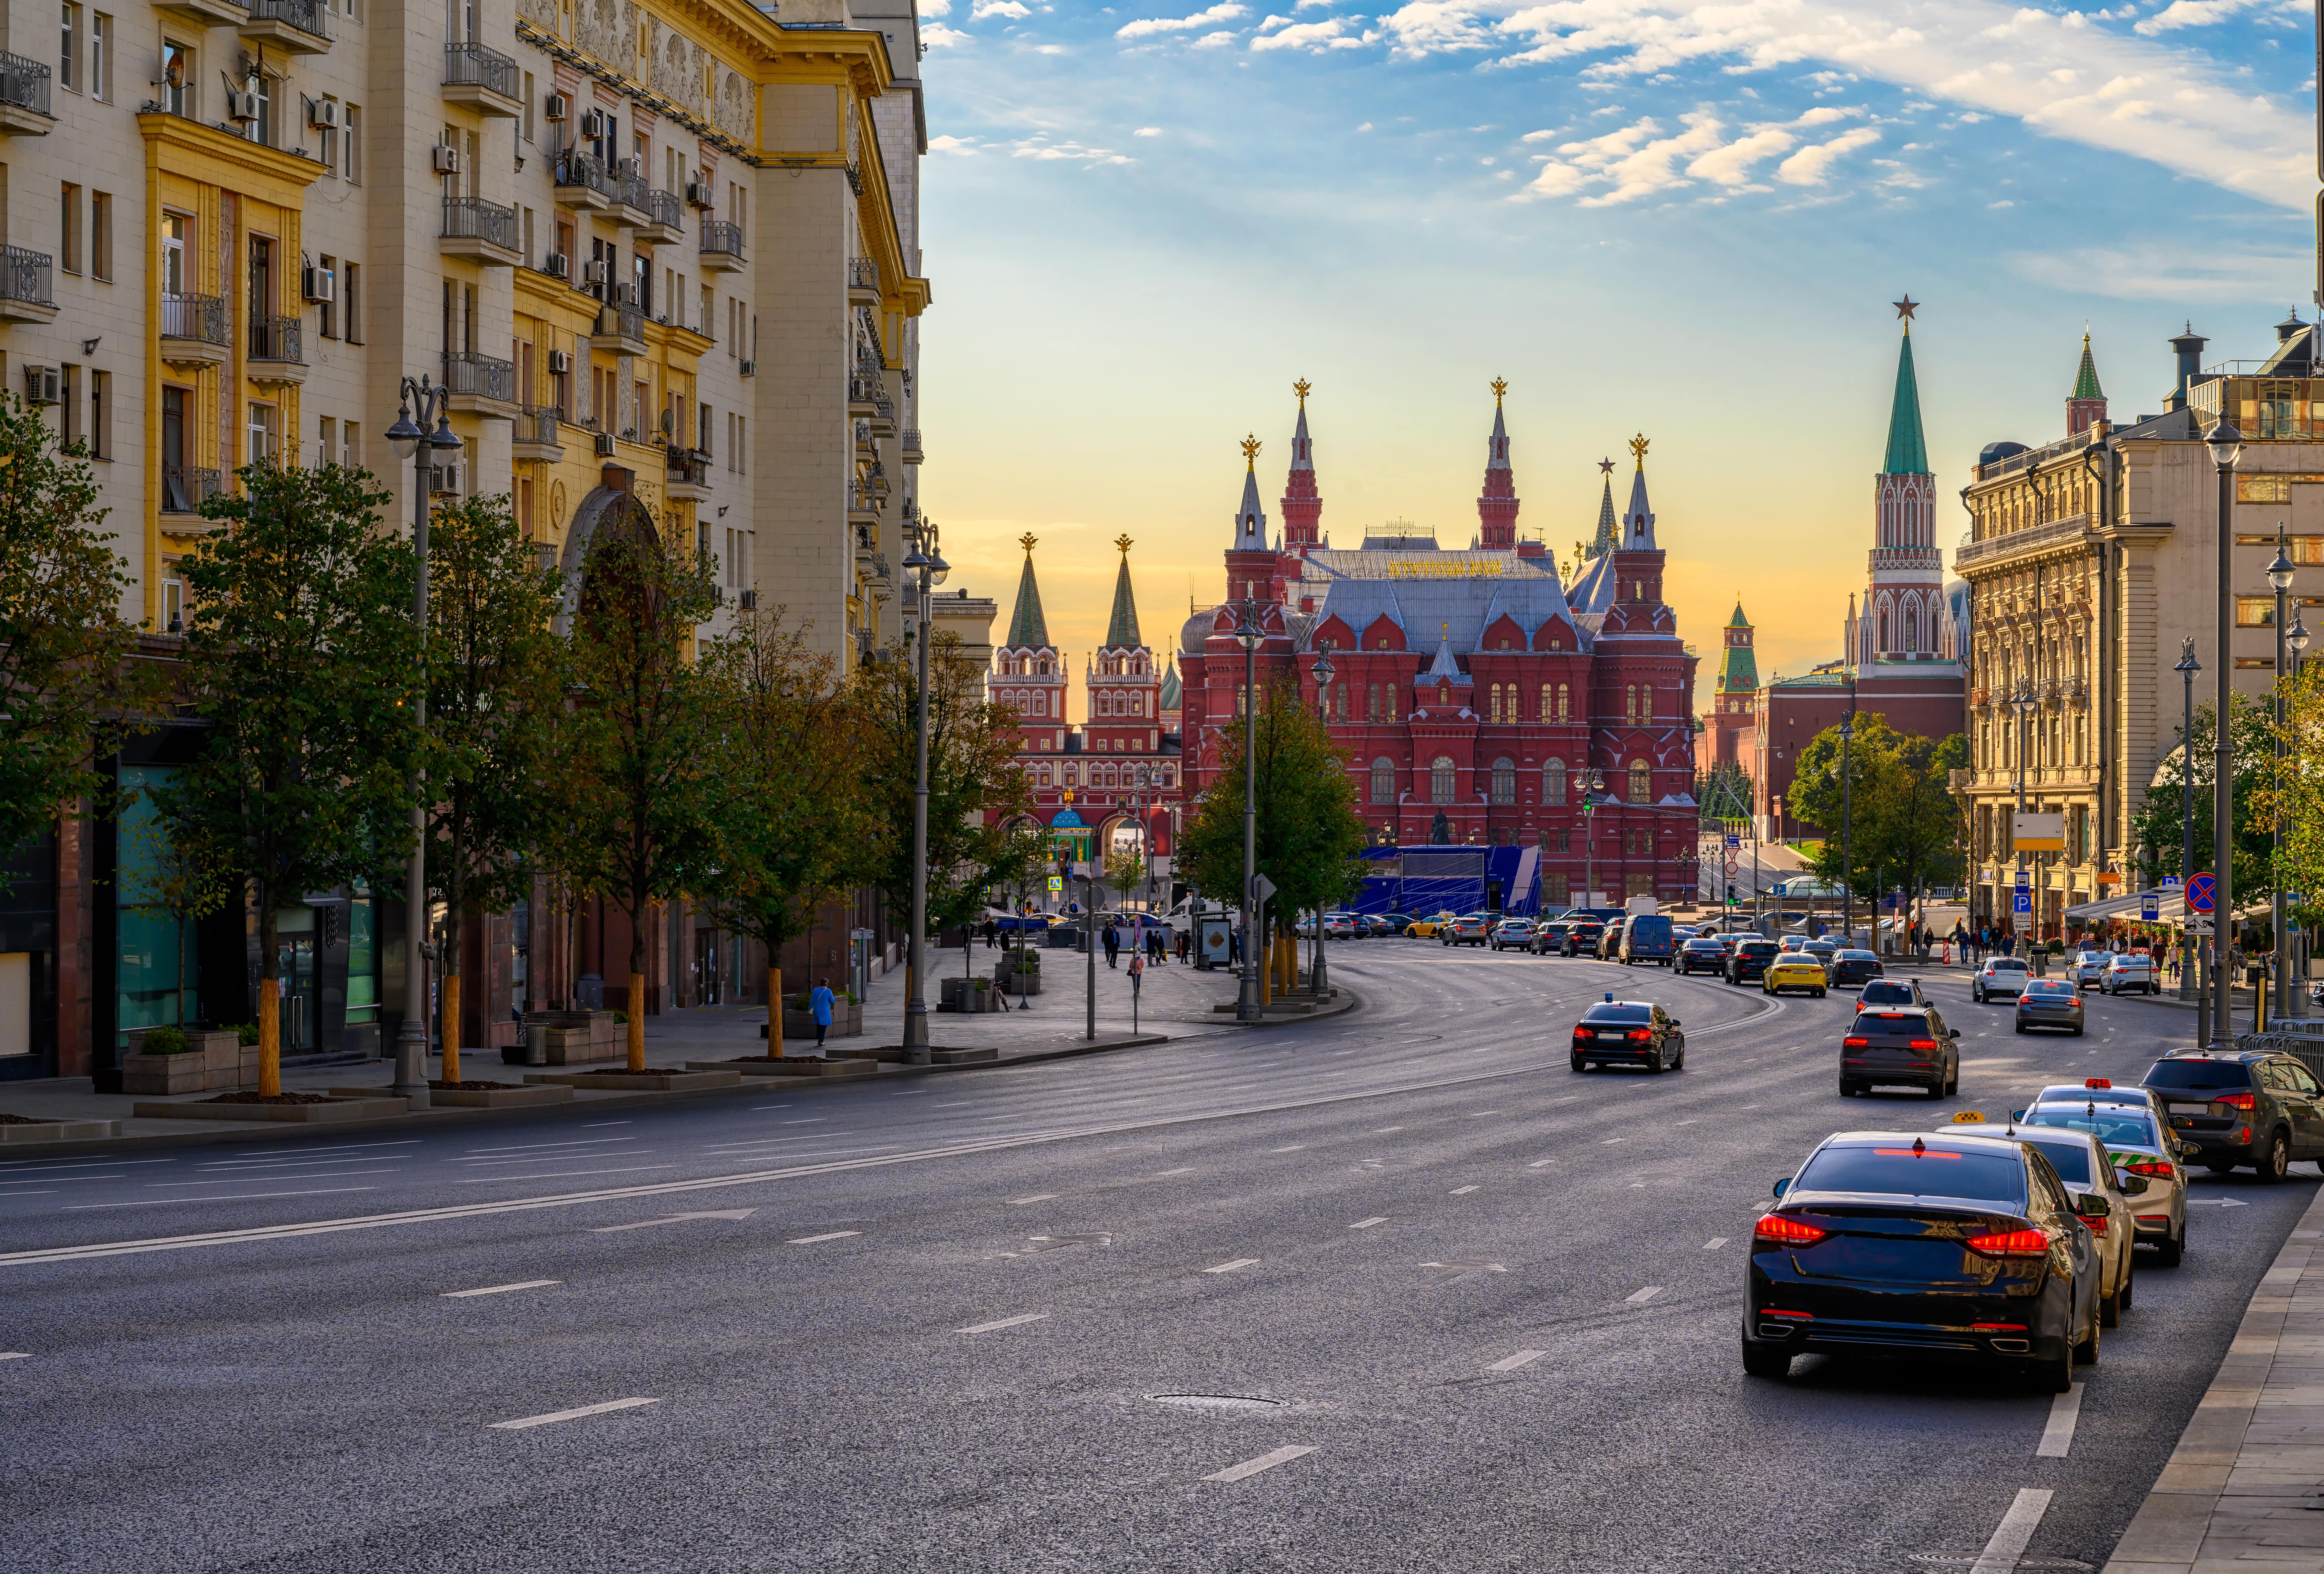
pixel 1300 388
pixel 1639 448
pixel 1500 387
pixel 1025 541
pixel 1250 451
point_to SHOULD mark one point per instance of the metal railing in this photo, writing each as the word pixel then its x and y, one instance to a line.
pixel 474 219
pixel 2029 538
pixel 184 489
pixel 476 65
pixel 2033 457
pixel 624 321
pixel 862 390
pixel 862 499
pixel 864 273
pixel 536 425
pixel 202 318
pixel 912 439
pixel 480 376
pixel 628 188
pixel 580 167
pixel 664 207
pixel 311 17
pixel 27 276
pixel 721 238
pixel 23 83
pixel 688 467
pixel 277 338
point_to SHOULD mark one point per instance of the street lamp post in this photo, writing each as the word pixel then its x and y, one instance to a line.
pixel 1593 780
pixel 412 440
pixel 1319 982
pixel 1248 635
pixel 2187 669
pixel 2295 999
pixel 2022 704
pixel 2280 575
pixel 931 568
pixel 1846 838
pixel 2226 444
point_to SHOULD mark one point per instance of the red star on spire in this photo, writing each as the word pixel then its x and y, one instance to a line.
pixel 1606 466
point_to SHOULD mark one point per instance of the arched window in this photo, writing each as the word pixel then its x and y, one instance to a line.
pixel 1883 631
pixel 1629 702
pixel 1445 694
pixel 1505 782
pixel 1912 627
pixel 1548 704
pixel 1383 780
pixel 1372 703
pixel 1552 782
pixel 1646 702
pixel 1642 782
pixel 1105 704
pixel 1440 780
pixel 1564 704
pixel 1339 703
pixel 1496 712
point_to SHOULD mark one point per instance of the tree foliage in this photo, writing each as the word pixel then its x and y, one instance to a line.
pixel 2295 795
pixel 1904 822
pixel 2158 824
pixel 1308 834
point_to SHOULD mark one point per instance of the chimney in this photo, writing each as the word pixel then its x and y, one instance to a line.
pixel 2189 348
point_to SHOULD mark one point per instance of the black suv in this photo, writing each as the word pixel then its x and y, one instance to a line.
pixel 1888 1045
pixel 1750 960
pixel 2243 1106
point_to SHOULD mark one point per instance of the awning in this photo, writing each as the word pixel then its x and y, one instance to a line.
pixel 2168 907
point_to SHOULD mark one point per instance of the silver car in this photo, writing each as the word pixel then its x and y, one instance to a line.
pixel 2083 1164
pixel 2000 975
pixel 2130 971
pixel 2088 968
pixel 2149 1161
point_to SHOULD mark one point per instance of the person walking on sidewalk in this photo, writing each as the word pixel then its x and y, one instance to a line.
pixel 1113 944
pixel 1186 943
pixel 820 1001
pixel 991 935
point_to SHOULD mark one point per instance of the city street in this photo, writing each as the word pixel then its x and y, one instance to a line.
pixel 1397 1289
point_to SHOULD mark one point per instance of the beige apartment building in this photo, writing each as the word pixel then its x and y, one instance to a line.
pixel 2089 561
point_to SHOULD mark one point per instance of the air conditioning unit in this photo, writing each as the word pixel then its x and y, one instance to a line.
pixel 323 113
pixel 749 367
pixel 445 480
pixel 241 107
pixel 604 445
pixel 556 106
pixel 319 284
pixel 41 385
pixel 560 361
pixel 697 193
pixel 594 125
pixel 444 160
pixel 633 168
pixel 557 266
pixel 595 272
pixel 748 600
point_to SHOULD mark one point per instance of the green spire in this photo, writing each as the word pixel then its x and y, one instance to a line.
pixel 1738 664
pixel 1122 631
pixel 1739 620
pixel 1608 538
pixel 2086 377
pixel 1028 630
pixel 1908 450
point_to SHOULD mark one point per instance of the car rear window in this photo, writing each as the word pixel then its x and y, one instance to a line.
pixel 2070 1160
pixel 2116 1127
pixel 1887 995
pixel 1756 948
pixel 1885 1021
pixel 2042 988
pixel 1619 1014
pixel 1704 946
pixel 2168 1074
pixel 1932 1172
pixel 1859 956
pixel 2007 965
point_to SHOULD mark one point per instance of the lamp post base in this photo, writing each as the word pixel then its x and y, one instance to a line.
pixel 412 1066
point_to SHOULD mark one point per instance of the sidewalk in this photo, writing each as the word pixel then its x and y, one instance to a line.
pixel 2243 1490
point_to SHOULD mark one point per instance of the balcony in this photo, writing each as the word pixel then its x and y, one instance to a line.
pixel 485 80
pixel 862 396
pixel 194 332
pixel 583 183
pixel 619 330
pixel 23 97
pixel 484 231
pixel 537 435
pixel 721 247
pixel 688 478
pixel 862 511
pixel 863 281
pixel 665 217
pixel 26 292
pixel 277 352
pixel 883 418
pixel 299 27
pixel 480 385
pixel 185 490
pixel 2051 536
pixel 911 454
pixel 629 196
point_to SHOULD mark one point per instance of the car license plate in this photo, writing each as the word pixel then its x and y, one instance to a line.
pixel 2188 1109
pixel 1610 1035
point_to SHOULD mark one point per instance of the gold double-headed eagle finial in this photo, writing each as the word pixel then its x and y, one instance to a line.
pixel 1639 448
pixel 1300 388
pixel 1500 387
pixel 1025 541
pixel 1123 542
pixel 1250 451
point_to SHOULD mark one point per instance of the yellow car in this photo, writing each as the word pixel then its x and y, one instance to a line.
pixel 1427 928
pixel 1795 970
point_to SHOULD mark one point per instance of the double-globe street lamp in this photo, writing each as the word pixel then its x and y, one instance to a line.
pixel 931 567
pixel 2227 446
pixel 1248 635
pixel 2291 641
pixel 413 441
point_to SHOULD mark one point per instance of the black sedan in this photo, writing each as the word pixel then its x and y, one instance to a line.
pixel 2050 1002
pixel 1628 1032
pixel 1750 960
pixel 1849 968
pixel 1701 954
pixel 1899 1044
pixel 1581 940
pixel 1926 1245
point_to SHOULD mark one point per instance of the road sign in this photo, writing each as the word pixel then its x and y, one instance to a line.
pixel 1055 885
pixel 2023 902
pixel 1262 889
pixel 2025 882
pixel 1734 841
pixel 2203 893
pixel 1730 865
pixel 2146 909
pixel 2167 882
pixel 2199 926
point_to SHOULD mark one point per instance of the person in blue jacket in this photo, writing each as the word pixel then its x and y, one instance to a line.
pixel 820 1001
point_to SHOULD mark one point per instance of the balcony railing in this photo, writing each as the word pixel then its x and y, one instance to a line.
pixel 625 321
pixel 662 207
pixel 862 499
pixel 688 467
pixel 536 425
pixel 474 218
pixel 27 276
pixel 911 440
pixel 474 65
pixel 480 376
pixel 184 489
pixel 580 167
pixel 723 239
pixel 311 17
pixel 864 273
pixel 276 338
pixel 194 317
pixel 629 189
pixel 862 390
pixel 23 83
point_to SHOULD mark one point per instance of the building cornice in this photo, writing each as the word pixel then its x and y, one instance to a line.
pixel 264 174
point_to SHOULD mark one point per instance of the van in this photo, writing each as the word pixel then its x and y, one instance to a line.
pixel 1646 938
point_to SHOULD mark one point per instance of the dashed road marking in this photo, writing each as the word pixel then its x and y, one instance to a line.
pixel 810 1240
pixel 1714 1243
pixel 234 1197
pixel 1541 1164
pixel 2058 1434
pixel 1293 1148
pixel 1461 1190
pixel 1182 1170
pixel 1231 1267
pixel 986 1327
pixel 2016 1531
pixel 1282 1456
pixel 1639 1298
pixel 1368 1223
pixel 15 1355
pixel 1037 1197
pixel 557 1415
pixel 1384 1130
pixel 1511 1363
pixel 498 1288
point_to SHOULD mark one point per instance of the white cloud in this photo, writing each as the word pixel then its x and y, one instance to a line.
pixel 936 7
pixel 1328 34
pixel 2191 13
pixel 936 35
pixel 1042 148
pixel 1148 131
pixel 1633 162
pixel 1146 27
pixel 1009 8
pixel 1048 48
pixel 2006 202
pixel 1811 166
pixel 1825 113
pixel 1272 22
pixel 2168 272
pixel 1214 41
pixel 1730 165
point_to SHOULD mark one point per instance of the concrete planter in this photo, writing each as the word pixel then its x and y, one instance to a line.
pixel 296 1113
pixel 788 1066
pixel 566 1038
pixel 846 1022
pixel 640 1081
pixel 1007 981
pixel 474 1097
pixel 59 1131
pixel 213 1061
pixel 962 995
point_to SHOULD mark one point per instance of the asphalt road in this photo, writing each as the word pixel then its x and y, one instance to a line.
pixel 1467 1309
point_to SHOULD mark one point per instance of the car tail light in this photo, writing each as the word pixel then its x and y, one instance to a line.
pixel 1579 1033
pixel 1792 1232
pixel 2148 1167
pixel 1997 1328
pixel 1772 1312
pixel 1637 1035
pixel 2242 1134
pixel 1924 1043
pixel 2246 1100
pixel 1855 1043
pixel 2023 1242
pixel 2097 1226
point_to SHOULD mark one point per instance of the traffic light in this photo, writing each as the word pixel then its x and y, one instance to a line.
pixel 1730 894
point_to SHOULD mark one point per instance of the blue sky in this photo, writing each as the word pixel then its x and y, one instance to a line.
pixel 1686 220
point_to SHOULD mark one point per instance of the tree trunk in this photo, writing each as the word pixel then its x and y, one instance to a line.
pixel 774 1006
pixel 638 990
pixel 269 1019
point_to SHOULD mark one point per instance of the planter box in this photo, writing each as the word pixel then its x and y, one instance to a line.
pixel 474 1098
pixel 1006 982
pixel 213 1061
pixel 640 1081
pixel 962 1057
pixel 338 1109
pixel 788 1066
pixel 566 1038
pixel 961 995
pixel 59 1131
pixel 846 1022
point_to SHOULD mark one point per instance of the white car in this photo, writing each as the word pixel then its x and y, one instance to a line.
pixel 2088 968
pixel 2129 972
pixel 2000 975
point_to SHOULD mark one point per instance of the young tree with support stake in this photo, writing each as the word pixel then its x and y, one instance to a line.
pixel 301 655
pixel 638 748
pixel 494 676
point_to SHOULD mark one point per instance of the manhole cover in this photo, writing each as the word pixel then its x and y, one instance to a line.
pixel 1947 1560
pixel 1215 1402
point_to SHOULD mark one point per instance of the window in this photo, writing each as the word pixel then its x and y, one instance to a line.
pixel 1440 780
pixel 173 600
pixel 100 415
pixel 1505 782
pixel 2300 549
pixel 69 51
pixel 69 233
pixel 1564 704
pixel 327 270
pixel 709 310
pixel 530 98
pixel 1495 713
pixel 351 157
pixel 262 430
pixel 1642 782
pixel 351 302
pixel 1548 703
pixel 177 93
pixel 174 226
pixel 328 445
pixel 2251 611
pixel 100 235
pixel 100 57
pixel 177 493
pixel 1552 782
pixel 69 404
pixel 261 129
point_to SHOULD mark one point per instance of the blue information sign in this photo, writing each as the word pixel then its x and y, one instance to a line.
pixel 2146 909
pixel 2024 902
pixel 2025 882
pixel 1734 841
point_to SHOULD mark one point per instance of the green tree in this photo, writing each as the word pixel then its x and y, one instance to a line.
pixel 1308 834
pixel 637 754
pixel 1903 822
pixel 67 687
pixel 795 823
pixel 2251 735
pixel 2295 793
pixel 1125 871
pixel 494 675
pixel 301 656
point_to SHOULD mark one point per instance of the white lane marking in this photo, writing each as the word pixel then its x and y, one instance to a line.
pixel 534 1420
pixel 1231 1267
pixel 500 1289
pixel 302 1150
pixel 40 1193
pixel 810 1240
pixel 756 1108
pixel 1486 1112
pixel 615 1229
pixel 552 1174
pixel 1714 1243
pixel 1185 1170
pixel 1690 1121
pixel 2058 1433
pixel 52 1180
pixel 1609 1142
pixel 1461 1190
pixel 1383 1130
pixel 230 1196
pixel 1640 1298
pixel 52 1166
pixel 1541 1164
pixel 575 1143
pixel 2015 1533
pixel 1511 1363
pixel 1293 1148
pixel 279 1175
pixel 812 1119
pixel 592 1124
pixel 986 1327
pixel 15 1355
pixel 1368 1223
pixel 1037 1197
pixel 1264 1462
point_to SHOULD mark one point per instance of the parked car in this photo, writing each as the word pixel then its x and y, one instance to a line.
pixel 1388 924
pixel 2132 971
pixel 2049 1003
pixel 1646 938
pixel 1430 928
pixel 1340 926
pixel 1702 954
pixel 2000 975
pixel 1512 934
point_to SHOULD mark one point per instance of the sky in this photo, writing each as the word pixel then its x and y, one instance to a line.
pixel 1142 224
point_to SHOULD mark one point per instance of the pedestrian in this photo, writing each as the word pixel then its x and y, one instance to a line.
pixel 820 1000
pixel 1186 939
pixel 1113 944
pixel 991 935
